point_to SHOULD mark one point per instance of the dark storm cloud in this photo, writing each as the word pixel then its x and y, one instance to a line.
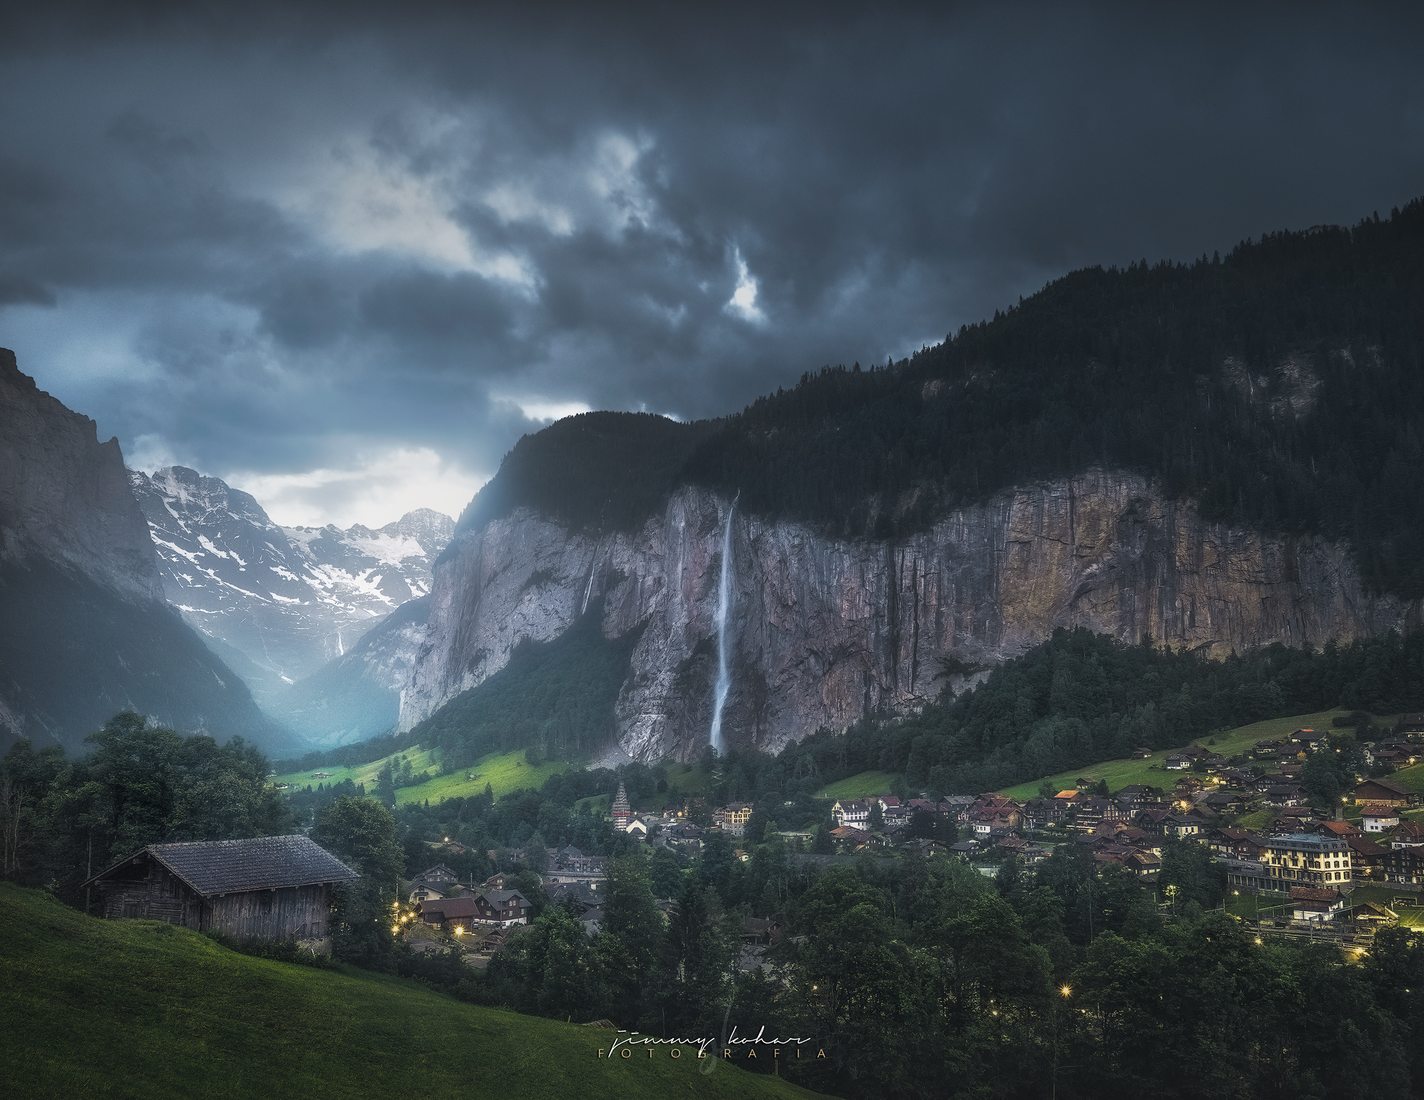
pixel 299 238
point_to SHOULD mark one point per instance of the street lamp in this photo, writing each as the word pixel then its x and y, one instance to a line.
pixel 1065 991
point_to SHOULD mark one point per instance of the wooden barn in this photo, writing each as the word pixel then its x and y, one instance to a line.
pixel 269 888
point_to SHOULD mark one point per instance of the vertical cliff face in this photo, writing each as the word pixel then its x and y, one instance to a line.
pixel 824 631
pixel 64 496
pixel 84 630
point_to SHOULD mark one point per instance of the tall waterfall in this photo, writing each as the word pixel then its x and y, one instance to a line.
pixel 724 607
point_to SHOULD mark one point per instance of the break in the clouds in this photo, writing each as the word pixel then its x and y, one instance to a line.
pixel 345 255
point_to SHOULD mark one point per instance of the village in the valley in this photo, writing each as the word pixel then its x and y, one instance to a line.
pixel 1291 868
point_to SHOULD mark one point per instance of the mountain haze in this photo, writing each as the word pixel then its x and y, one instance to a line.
pixel 84 629
pixel 286 599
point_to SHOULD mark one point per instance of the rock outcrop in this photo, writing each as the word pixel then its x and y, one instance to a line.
pixel 824 631
pixel 84 629
pixel 64 496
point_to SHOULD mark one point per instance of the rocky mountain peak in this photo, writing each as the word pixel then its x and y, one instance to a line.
pixel 280 601
pixel 64 495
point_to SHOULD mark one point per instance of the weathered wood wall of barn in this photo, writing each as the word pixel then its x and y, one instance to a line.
pixel 294 912
pixel 147 889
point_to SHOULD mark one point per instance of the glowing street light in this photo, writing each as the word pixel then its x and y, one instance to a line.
pixel 1066 990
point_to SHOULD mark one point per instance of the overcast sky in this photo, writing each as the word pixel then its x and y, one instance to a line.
pixel 345 258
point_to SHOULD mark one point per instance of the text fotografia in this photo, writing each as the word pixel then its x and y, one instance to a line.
pixel 736 1046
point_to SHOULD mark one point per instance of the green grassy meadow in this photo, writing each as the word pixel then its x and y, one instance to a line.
pixel 145 1009
pixel 1149 770
pixel 1410 778
pixel 860 785
pixel 503 771
pixel 421 759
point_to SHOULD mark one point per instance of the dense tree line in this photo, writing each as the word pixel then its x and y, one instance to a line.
pixel 924 979
pixel 1082 697
pixel 1280 386
pixel 139 784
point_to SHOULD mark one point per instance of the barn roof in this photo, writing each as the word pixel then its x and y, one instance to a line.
pixel 214 867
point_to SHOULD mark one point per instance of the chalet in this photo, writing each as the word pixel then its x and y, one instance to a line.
pixel 1343 829
pixel 1390 754
pixel 267 888
pixel 761 931
pixel 1412 725
pixel 501 908
pixel 1092 812
pixel 1039 813
pixel 578 897
pixel 448 914
pixel 1153 821
pixel 1315 905
pixel 1309 739
pixel 952 808
pixel 1404 866
pixel 683 835
pixel 1285 794
pixel 1367 856
pixel 1144 864
pixel 1377 817
pixel 1182 825
pixel 436 882
pixel 996 820
pixel 1382 791
pixel 1135 794
pixel 1225 802
pixel 569 858
pixel 1370 914
pixel 1410 834
pixel 1236 843
pixel 1295 819
pixel 894 811
pixel 1185 758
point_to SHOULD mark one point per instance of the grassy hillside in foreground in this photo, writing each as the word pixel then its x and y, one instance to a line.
pixel 503 771
pixel 1149 770
pixel 139 1008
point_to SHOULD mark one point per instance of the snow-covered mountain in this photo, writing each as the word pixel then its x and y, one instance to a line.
pixel 279 602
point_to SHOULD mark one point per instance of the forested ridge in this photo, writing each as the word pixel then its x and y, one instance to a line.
pixel 1280 386
pixel 1082 697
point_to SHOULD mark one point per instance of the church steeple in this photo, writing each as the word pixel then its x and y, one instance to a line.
pixel 622 810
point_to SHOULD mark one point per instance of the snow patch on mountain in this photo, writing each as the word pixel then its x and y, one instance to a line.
pixel 287 599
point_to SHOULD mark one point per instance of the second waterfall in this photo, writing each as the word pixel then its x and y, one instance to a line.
pixel 724 608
